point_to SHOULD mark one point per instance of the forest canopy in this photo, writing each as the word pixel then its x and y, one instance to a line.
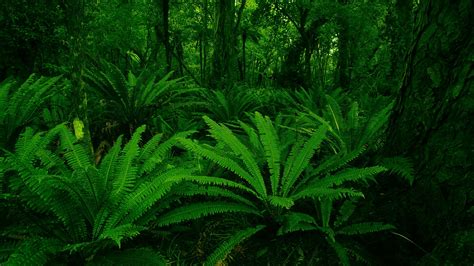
pixel 236 132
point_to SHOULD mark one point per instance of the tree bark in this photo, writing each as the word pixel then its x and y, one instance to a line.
pixel 224 56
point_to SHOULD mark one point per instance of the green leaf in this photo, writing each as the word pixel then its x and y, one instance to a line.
pixel 220 254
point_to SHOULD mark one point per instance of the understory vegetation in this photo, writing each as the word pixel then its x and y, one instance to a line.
pixel 206 132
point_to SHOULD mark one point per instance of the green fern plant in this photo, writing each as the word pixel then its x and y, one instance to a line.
pixel 354 132
pixel 20 103
pixel 284 178
pixel 135 100
pixel 350 131
pixel 334 230
pixel 92 207
pixel 229 105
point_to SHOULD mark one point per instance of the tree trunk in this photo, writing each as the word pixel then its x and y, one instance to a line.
pixel 223 57
pixel 437 74
pixel 162 31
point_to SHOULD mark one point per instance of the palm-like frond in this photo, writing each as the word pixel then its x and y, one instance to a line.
pixel 202 209
pixel 400 166
pixel 19 104
pixel 364 228
pixel 226 248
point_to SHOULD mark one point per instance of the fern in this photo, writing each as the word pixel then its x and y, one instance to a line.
pixel 296 221
pixel 341 252
pixel 364 228
pixel 202 209
pixel 19 104
pixel 400 166
pixel 225 135
pixel 226 248
pixel 88 204
pixel 122 232
pixel 271 146
pixel 295 167
pixel 34 251
pixel 354 174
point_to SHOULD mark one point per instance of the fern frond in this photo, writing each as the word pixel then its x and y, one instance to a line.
pixel 329 193
pixel 223 161
pixel 351 174
pixel 346 210
pixel 126 171
pixel 400 166
pixel 153 155
pixel 226 248
pixel 364 228
pixel 376 123
pixel 202 209
pixel 335 113
pixel 271 145
pixel 75 154
pixel 126 231
pixel 282 202
pixel 107 167
pixel 326 210
pixel 34 251
pixel 302 158
pixel 252 135
pixel 136 203
pixel 297 221
pixel 209 180
pixel 340 250
pixel 224 135
pixel 194 189
pixel 338 161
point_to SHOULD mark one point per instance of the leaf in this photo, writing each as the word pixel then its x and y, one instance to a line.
pixel 271 146
pixel 78 128
pixel 277 201
pixel 197 210
pixel 364 228
pixel 220 254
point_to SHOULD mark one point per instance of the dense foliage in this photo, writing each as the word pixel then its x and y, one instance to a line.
pixel 224 132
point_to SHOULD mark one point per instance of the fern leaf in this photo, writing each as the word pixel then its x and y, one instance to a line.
pixel 224 134
pixel 335 113
pixel 376 123
pixel 107 166
pixel 126 231
pixel 223 161
pixel 202 209
pixel 302 159
pixel 34 251
pixel 136 203
pixel 76 155
pixel 364 228
pixel 193 190
pixel 277 201
pixel 340 250
pixel 353 174
pixel 400 166
pixel 271 146
pixel 151 156
pixel 326 211
pixel 209 180
pixel 296 221
pixel 126 171
pixel 346 210
pixel 330 193
pixel 226 248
